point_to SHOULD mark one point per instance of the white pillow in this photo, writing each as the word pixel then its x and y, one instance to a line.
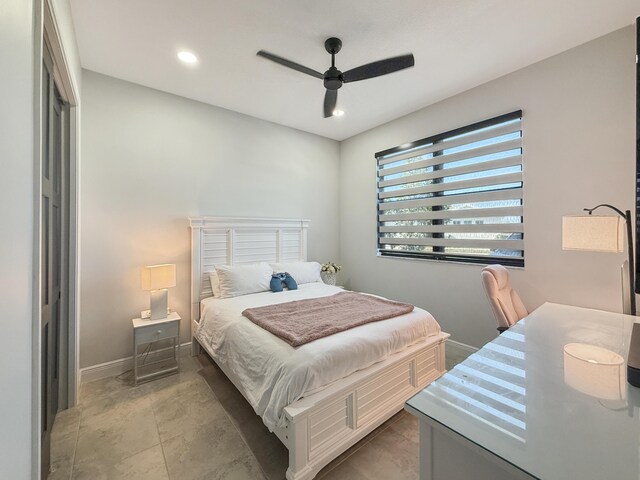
pixel 215 283
pixel 302 272
pixel 235 280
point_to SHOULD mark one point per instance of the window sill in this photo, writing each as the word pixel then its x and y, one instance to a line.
pixel 450 262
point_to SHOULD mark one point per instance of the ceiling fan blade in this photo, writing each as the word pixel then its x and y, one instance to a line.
pixel 330 100
pixel 381 67
pixel 290 64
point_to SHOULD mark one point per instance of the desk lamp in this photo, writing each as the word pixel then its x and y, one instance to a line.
pixel 598 233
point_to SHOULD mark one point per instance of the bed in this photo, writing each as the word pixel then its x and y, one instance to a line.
pixel 322 397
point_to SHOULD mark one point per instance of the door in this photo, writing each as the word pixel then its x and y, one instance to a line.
pixel 55 161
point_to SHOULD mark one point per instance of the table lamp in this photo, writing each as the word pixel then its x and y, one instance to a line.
pixel 157 279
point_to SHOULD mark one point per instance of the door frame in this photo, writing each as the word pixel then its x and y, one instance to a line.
pixel 46 29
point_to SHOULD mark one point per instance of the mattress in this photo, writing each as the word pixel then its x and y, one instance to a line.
pixel 271 374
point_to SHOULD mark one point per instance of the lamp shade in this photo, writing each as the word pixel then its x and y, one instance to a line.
pixel 156 277
pixel 595 233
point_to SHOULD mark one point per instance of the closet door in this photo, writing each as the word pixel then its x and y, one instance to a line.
pixel 51 251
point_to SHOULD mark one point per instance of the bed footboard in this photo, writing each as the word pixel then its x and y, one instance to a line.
pixel 324 425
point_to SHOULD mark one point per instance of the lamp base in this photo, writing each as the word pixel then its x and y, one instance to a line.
pixel 159 301
pixel 146 314
pixel 633 360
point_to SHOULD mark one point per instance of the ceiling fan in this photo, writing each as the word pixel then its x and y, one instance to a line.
pixel 334 78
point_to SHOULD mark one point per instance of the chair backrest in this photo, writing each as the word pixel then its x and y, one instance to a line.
pixel 505 302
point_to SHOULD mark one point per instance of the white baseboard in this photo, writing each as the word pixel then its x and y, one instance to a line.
pixel 463 347
pixel 117 367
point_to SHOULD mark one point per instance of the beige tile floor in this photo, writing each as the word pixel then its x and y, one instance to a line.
pixel 195 425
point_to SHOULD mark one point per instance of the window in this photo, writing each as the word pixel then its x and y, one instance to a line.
pixel 455 196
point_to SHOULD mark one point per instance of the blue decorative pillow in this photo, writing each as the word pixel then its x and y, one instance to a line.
pixel 281 280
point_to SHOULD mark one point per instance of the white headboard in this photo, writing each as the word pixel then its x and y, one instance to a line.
pixel 232 241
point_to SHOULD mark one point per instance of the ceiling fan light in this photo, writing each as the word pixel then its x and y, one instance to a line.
pixel 187 57
pixel 338 113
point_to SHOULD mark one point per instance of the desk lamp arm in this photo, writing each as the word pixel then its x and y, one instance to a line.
pixel 627 217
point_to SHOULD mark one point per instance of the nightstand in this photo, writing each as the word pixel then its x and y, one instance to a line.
pixel 147 331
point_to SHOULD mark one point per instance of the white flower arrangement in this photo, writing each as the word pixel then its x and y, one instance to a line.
pixel 330 267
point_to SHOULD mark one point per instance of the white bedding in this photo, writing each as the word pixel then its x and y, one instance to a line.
pixel 272 374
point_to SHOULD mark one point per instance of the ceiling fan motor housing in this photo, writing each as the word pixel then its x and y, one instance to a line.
pixel 332 79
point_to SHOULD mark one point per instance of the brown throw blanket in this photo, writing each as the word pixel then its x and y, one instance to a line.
pixel 303 321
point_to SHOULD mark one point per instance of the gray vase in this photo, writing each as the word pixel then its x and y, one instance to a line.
pixel 328 278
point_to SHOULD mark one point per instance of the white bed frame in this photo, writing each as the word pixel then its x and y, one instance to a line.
pixel 325 424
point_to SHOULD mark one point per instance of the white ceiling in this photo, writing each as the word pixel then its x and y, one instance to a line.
pixel 457 44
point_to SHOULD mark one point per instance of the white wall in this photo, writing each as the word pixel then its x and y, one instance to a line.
pixel 149 161
pixel 16 241
pixel 20 32
pixel 579 144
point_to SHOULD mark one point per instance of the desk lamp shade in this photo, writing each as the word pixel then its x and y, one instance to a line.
pixel 595 233
pixel 157 278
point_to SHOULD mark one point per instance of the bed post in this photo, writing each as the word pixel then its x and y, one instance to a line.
pixel 304 226
pixel 298 450
pixel 196 279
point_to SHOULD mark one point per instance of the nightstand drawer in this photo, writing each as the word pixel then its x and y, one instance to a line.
pixel 153 333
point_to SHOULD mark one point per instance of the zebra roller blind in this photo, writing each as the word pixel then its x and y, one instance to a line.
pixel 455 196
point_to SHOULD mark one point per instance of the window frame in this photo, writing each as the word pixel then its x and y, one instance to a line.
pixel 441 256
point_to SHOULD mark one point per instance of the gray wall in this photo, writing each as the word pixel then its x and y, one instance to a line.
pixel 579 137
pixel 149 161
pixel 19 278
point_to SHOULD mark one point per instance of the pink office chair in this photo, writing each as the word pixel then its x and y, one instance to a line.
pixel 504 300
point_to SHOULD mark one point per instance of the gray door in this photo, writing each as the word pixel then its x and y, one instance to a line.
pixel 53 252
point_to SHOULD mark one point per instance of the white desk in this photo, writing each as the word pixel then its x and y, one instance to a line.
pixel 506 412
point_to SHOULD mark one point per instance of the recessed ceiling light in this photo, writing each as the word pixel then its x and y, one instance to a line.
pixel 187 57
pixel 338 113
